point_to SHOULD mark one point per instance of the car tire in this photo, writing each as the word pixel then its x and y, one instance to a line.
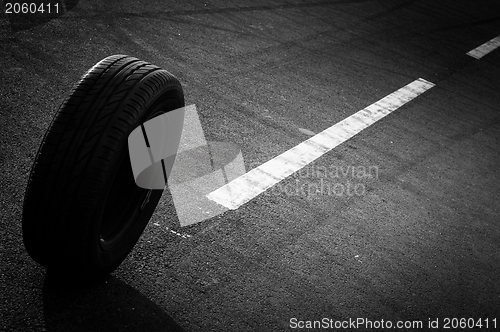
pixel 82 211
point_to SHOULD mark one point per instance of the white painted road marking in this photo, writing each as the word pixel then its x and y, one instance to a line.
pixel 253 183
pixel 484 49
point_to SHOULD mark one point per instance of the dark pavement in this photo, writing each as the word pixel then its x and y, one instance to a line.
pixel 419 242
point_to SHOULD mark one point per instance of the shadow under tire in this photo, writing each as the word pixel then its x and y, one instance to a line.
pixel 83 212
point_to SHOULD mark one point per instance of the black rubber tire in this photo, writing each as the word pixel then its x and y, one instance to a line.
pixel 83 212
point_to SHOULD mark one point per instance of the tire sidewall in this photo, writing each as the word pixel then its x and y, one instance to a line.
pixel 105 261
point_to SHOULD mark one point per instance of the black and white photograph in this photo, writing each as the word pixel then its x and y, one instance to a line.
pixel 249 166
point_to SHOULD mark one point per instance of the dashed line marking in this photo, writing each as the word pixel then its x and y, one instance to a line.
pixel 253 183
pixel 183 235
pixel 484 49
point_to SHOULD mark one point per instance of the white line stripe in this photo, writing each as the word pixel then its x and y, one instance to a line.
pixel 484 49
pixel 256 181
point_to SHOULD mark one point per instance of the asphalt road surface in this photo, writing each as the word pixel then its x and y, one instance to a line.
pixel 417 241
